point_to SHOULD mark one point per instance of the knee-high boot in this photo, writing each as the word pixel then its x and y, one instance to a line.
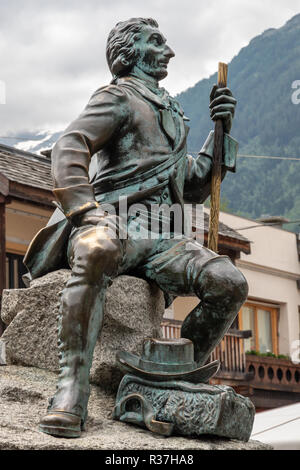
pixel 94 255
pixel 79 322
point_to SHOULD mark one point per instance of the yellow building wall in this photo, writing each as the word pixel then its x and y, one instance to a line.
pixel 182 306
pixel 23 221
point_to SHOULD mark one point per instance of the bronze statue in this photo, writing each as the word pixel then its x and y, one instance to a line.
pixel 137 133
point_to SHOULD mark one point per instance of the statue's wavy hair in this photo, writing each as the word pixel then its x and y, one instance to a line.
pixel 121 54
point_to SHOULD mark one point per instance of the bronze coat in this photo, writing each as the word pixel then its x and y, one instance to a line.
pixel 138 140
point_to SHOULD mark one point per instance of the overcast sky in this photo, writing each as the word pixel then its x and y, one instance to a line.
pixel 52 53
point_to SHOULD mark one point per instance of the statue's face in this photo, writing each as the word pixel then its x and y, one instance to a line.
pixel 153 53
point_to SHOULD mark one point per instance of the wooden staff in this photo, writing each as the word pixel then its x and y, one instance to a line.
pixel 216 170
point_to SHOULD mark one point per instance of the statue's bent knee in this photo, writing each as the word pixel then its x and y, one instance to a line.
pixel 93 254
pixel 220 280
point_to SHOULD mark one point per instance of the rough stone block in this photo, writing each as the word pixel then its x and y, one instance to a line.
pixel 133 310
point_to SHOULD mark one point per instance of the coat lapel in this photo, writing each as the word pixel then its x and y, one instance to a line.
pixel 174 129
pixel 168 123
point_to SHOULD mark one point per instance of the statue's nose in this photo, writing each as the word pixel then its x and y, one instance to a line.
pixel 169 52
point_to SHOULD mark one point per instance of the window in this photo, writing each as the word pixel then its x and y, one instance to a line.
pixel 263 322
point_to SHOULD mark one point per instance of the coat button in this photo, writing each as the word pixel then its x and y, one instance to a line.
pixel 161 178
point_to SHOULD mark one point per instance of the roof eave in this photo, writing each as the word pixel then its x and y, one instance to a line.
pixel 22 191
pixel 230 243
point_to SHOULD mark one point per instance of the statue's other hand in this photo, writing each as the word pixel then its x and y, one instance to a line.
pixel 222 106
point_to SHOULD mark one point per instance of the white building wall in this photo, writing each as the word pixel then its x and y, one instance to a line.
pixel 271 270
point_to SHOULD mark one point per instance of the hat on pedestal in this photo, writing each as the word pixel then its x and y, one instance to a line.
pixel 167 359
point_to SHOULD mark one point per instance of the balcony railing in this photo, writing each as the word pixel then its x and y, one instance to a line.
pixel 171 328
pixel 270 382
pixel 273 374
pixel 230 352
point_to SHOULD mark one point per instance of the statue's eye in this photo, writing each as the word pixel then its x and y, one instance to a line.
pixel 157 40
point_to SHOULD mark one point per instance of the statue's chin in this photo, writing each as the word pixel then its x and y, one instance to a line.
pixel 163 75
pixel 159 74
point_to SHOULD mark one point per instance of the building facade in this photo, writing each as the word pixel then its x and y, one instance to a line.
pixel 272 270
pixel 268 364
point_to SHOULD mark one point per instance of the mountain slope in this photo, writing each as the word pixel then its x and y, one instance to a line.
pixel 266 123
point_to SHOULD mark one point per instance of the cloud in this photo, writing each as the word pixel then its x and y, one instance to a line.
pixel 53 53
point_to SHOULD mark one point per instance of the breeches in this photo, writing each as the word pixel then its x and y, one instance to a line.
pixel 96 255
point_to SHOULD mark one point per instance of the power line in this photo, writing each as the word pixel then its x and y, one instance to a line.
pixel 259 156
pixel 265 156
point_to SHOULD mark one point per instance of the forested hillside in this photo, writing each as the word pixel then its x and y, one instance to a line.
pixel 266 123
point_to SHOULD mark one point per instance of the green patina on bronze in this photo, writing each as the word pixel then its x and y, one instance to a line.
pixel 167 392
pixel 130 140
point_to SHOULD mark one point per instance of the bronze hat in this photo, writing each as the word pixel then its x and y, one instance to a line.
pixel 167 359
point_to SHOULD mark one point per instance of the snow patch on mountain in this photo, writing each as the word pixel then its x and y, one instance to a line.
pixel 33 142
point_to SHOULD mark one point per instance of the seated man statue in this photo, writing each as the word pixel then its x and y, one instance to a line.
pixel 136 133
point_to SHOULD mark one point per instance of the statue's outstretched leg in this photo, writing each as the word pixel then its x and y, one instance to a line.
pixel 222 290
pixel 94 260
pixel 189 268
